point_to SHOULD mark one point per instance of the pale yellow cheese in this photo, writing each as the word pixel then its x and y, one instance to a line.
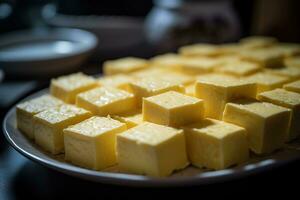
pixel 292 73
pixel 292 62
pixel 190 89
pixel 200 50
pixel 293 86
pixel 267 125
pixel 120 81
pixel 150 86
pixel 215 144
pixel 150 72
pixel 91 143
pixel 49 125
pixel 266 81
pixel 131 119
pixel 167 61
pixel 286 99
pixel 124 65
pixel 67 87
pixel 255 42
pixel 151 149
pixel 195 66
pixel 287 49
pixel 172 109
pixel 105 101
pixel 26 110
pixel 239 68
pixel 216 90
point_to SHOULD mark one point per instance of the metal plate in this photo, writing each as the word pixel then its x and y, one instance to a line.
pixel 188 176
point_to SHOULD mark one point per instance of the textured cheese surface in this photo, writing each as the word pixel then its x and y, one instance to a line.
pixel 294 86
pixel 261 55
pixel 61 113
pixel 123 65
pixel 115 80
pixel 167 60
pixel 131 118
pixel 155 84
pixel 221 80
pixel 266 79
pixel 258 41
pixel 39 104
pixel 239 68
pixel 95 126
pixel 173 99
pixel 104 95
pixel 200 64
pixel 200 49
pixel 281 97
pixel 149 133
pixel 73 81
pixel 214 128
pixel 292 72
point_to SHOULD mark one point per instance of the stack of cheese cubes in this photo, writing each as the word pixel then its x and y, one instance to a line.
pixel 208 106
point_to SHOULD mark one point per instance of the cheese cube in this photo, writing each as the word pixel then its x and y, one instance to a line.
pixel 49 125
pixel 267 125
pixel 151 86
pixel 239 68
pixel 266 81
pixel 292 61
pixel 293 86
pixel 179 78
pixel 131 119
pixel 216 90
pixel 91 143
pixel 105 101
pixel 120 81
pixel 287 49
pixel 254 42
pixel 292 73
pixel 150 72
pixel 168 61
pixel 26 110
pixel 172 109
pixel 124 65
pixel 195 66
pixel 216 144
pixel 67 87
pixel 151 149
pixel 190 90
pixel 263 57
pixel 286 99
pixel 200 50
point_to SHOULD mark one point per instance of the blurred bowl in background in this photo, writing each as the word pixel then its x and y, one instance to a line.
pixel 42 53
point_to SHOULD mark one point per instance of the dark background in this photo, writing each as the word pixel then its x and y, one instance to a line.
pixel 21 178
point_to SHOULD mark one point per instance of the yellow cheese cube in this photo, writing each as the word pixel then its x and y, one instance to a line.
pixel 105 101
pixel 286 99
pixel 49 125
pixel 216 144
pixel 257 42
pixel 168 61
pixel 131 119
pixel 190 89
pixel 239 68
pixel 150 72
pixel 292 62
pixel 91 143
pixel 151 149
pixel 216 90
pixel 265 58
pixel 195 66
pixel 287 49
pixel 124 65
pixel 200 50
pixel 267 125
pixel 293 86
pixel 120 81
pixel 292 73
pixel 67 87
pixel 172 109
pixel 26 110
pixel 150 86
pixel 266 81
pixel 179 78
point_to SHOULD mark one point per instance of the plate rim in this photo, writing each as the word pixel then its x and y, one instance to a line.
pixel 132 179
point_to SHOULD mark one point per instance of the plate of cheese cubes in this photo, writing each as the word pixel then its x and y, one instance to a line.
pixel 205 114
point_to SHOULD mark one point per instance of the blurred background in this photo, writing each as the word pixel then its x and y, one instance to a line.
pixel 40 39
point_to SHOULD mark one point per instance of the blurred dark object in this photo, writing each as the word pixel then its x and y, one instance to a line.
pixel 173 23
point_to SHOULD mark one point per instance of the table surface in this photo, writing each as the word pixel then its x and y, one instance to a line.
pixel 21 178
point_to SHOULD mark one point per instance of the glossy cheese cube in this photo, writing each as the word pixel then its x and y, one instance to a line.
pixel 286 99
pixel 124 65
pixel 293 86
pixel 151 149
pixel 266 81
pixel 131 119
pixel 254 42
pixel 215 144
pixel 195 66
pixel 239 68
pixel 265 58
pixel 26 110
pixel 91 143
pixel 120 81
pixel 292 73
pixel 292 62
pixel 200 50
pixel 267 124
pixel 49 125
pixel 67 87
pixel 168 61
pixel 105 101
pixel 151 86
pixel 216 90
pixel 172 109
